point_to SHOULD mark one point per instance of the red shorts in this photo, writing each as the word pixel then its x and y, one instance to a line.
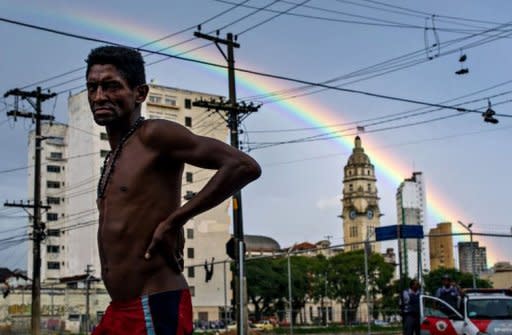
pixel 165 313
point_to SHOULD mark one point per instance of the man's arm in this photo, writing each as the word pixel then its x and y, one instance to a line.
pixel 235 169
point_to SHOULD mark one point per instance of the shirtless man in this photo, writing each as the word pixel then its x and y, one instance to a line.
pixel 140 234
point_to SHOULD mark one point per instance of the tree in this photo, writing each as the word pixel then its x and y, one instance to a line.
pixel 347 279
pixel 301 268
pixel 432 280
pixel 263 285
pixel 320 288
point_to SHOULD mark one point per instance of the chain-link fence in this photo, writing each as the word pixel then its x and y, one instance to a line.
pixel 311 285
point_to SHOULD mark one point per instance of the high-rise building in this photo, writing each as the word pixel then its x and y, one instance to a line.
pixel 74 157
pixel 441 246
pixel 53 188
pixel 411 210
pixel 360 203
pixel 466 250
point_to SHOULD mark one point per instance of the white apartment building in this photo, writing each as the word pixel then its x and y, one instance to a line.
pixel 79 150
pixel 53 188
pixel 411 210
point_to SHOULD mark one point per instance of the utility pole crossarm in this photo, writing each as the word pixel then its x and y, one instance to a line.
pixel 216 39
pixel 22 205
pixel 32 94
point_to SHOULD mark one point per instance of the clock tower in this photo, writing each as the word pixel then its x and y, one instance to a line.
pixel 360 203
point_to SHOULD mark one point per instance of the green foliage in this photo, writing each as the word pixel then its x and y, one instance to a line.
pixel 347 278
pixel 340 277
pixel 432 280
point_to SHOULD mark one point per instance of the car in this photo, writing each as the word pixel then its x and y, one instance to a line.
pixel 381 323
pixel 232 325
pixel 263 325
pixel 481 312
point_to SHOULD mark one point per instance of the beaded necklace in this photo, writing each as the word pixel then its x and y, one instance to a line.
pixel 106 171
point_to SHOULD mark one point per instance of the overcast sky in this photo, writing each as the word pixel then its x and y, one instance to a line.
pixel 366 45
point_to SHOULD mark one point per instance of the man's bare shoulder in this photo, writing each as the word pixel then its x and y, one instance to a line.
pixel 158 133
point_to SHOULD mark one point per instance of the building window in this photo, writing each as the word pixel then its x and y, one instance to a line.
pixel 369 187
pixel 190 252
pixel 189 176
pixel 53 168
pixel 170 101
pixel 53 265
pixel 104 136
pixel 155 99
pixel 53 201
pixel 56 155
pixel 188 121
pixel 53 232
pixel 104 153
pixel 52 249
pixel 52 216
pixel 188 103
pixel 52 184
pixel 189 195
pixel 353 231
pixel 191 272
pixel 190 233
pixel 350 187
pixel 192 290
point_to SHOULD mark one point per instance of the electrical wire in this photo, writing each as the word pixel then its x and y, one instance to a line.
pixel 385 67
pixel 258 73
pixel 336 134
pixel 143 45
pixel 295 6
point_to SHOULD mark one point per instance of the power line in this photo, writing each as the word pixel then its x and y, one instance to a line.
pixel 190 28
pixel 385 67
pixel 376 21
pixel 258 73
pixel 336 134
pixel 274 17
pixel 383 116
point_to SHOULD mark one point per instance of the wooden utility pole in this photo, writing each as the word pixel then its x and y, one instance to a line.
pixel 236 112
pixel 38 228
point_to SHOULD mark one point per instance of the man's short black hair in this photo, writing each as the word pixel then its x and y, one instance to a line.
pixel 127 61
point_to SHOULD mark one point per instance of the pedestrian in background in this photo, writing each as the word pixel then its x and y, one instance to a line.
pixel 449 292
pixel 411 308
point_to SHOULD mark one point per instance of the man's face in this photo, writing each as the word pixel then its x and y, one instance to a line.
pixel 110 97
pixel 446 282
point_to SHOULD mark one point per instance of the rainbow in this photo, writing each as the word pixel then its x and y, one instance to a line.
pixel 439 208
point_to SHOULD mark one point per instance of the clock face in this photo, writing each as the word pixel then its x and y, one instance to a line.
pixel 352 214
pixel 369 214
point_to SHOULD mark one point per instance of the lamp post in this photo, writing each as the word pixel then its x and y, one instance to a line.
pixel 366 250
pixel 473 269
pixel 290 306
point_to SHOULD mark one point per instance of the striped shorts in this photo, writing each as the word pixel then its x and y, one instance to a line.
pixel 165 313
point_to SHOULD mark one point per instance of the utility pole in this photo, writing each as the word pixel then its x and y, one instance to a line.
pixel 236 112
pixel 38 228
pixel 88 272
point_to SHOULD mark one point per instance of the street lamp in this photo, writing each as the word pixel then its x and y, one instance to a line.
pixel 290 306
pixel 367 250
pixel 473 269
pixel 368 311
